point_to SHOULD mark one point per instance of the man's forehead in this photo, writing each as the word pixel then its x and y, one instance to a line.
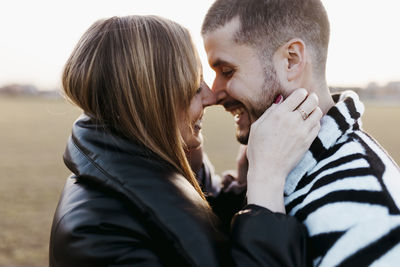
pixel 220 57
pixel 228 30
pixel 220 42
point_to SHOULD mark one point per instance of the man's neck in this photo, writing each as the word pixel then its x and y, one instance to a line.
pixel 325 99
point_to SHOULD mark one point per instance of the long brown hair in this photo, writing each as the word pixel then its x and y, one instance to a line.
pixel 135 74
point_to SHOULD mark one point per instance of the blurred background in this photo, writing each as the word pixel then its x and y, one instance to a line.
pixel 37 38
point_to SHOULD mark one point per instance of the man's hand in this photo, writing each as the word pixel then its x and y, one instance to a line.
pixel 236 180
pixel 195 158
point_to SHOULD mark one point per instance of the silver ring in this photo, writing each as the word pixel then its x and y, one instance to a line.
pixel 304 115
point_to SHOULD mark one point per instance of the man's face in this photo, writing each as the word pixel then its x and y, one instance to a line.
pixel 243 85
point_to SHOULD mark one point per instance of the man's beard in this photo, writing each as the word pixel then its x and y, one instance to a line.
pixel 271 89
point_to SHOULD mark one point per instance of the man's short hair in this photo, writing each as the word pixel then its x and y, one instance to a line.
pixel 268 24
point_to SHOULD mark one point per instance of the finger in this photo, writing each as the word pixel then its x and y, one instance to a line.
pixel 229 175
pixel 278 99
pixel 228 178
pixel 308 105
pixel 314 118
pixel 294 99
pixel 313 133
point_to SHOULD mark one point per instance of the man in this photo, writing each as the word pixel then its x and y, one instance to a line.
pixel 346 189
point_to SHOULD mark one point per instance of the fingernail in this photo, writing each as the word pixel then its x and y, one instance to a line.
pixel 278 99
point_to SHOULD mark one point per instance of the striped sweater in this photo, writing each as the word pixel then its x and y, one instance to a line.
pixel 346 190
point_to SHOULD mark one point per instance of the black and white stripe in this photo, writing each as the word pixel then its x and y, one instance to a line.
pixel 346 190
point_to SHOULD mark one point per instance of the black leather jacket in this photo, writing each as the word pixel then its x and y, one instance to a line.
pixel 123 206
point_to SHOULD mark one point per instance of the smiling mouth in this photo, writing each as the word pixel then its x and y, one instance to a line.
pixel 237 111
pixel 236 108
pixel 197 124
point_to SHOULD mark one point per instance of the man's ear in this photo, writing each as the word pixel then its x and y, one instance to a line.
pixel 295 59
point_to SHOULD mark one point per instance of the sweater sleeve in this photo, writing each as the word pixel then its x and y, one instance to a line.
pixel 225 203
pixel 263 238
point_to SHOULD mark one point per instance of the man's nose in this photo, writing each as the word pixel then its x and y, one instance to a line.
pixel 219 91
pixel 209 98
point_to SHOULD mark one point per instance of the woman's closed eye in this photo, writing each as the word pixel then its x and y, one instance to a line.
pixel 198 91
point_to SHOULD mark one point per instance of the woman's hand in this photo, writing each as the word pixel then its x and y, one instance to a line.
pixel 277 142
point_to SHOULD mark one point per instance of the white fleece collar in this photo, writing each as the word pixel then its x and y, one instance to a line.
pixel 341 119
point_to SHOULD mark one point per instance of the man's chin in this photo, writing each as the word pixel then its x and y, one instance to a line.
pixel 242 137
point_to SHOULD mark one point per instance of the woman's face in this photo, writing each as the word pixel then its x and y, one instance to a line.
pixel 191 122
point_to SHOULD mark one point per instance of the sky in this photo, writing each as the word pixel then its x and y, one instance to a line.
pixel 37 37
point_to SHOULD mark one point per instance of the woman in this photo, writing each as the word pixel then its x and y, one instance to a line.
pixel 133 198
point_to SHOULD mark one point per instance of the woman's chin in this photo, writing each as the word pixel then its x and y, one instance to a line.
pixel 195 141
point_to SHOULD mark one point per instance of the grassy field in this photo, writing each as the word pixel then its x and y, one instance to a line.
pixel 33 133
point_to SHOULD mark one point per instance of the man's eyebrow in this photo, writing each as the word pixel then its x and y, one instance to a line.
pixel 219 62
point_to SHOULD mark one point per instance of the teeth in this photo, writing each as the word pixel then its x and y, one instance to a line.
pixel 198 123
pixel 237 112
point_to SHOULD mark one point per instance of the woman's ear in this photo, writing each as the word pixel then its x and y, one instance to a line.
pixel 294 54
